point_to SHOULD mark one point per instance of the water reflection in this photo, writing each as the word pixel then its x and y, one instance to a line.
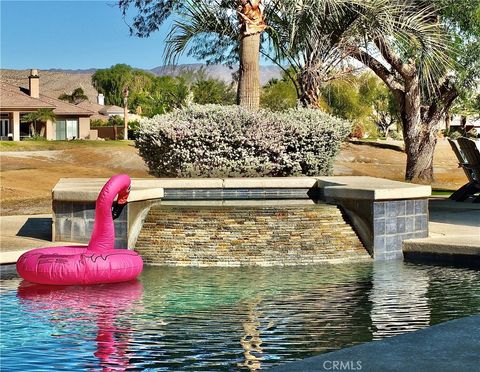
pixel 254 317
pixel 251 341
pixel 225 318
pixel 102 304
pixel 399 299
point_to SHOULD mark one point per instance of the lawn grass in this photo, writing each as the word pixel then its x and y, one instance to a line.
pixel 58 145
pixel 442 192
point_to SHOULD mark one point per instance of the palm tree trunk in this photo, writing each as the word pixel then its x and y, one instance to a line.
pixel 309 90
pixel 252 24
pixel 32 128
pixel 248 94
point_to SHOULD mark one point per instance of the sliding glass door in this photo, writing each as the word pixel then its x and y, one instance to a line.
pixel 66 129
pixel 4 127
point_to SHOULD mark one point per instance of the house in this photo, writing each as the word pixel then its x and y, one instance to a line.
pixel 466 123
pixel 102 112
pixel 71 121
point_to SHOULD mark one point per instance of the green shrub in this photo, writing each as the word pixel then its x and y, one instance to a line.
pixel 279 95
pixel 94 123
pixel 453 133
pixel 229 141
pixel 35 137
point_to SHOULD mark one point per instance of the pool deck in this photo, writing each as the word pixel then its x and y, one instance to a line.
pixel 454 234
pixel 19 234
pixel 449 346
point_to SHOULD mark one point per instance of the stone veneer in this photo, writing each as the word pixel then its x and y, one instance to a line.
pixel 247 235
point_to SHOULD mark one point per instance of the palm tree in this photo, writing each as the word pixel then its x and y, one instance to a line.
pixel 216 30
pixel 227 30
pixel 252 23
pixel 306 36
pixel 76 97
pixel 415 64
pixel 42 115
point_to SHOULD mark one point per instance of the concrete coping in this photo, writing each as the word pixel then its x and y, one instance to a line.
pixel 370 188
pixel 265 203
pixel 270 183
pixel 87 189
pixel 344 187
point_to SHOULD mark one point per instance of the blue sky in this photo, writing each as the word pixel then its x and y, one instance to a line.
pixel 73 35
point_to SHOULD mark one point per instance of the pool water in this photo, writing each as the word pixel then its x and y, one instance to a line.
pixel 224 318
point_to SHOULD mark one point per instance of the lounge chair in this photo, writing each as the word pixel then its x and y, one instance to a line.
pixel 469 188
pixel 468 154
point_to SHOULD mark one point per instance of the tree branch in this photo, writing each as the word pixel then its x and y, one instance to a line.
pixel 392 58
pixel 447 93
pixel 378 68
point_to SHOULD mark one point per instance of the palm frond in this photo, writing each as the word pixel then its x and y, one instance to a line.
pixel 205 29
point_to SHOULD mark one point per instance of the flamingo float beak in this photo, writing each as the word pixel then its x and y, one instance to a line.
pixel 121 202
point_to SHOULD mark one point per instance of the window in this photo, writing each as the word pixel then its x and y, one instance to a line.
pixel 66 129
pixel 4 127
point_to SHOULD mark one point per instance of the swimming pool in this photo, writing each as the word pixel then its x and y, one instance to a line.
pixel 225 318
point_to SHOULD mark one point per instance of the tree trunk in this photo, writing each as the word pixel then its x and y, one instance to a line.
pixel 420 150
pixel 448 120
pixel 309 90
pixel 420 137
pixel 32 129
pixel 248 94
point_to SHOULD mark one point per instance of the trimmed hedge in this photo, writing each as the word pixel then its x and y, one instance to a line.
pixel 229 141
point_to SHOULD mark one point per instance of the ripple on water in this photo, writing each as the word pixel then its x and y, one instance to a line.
pixel 225 319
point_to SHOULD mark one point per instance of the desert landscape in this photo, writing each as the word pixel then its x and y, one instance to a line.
pixel 30 169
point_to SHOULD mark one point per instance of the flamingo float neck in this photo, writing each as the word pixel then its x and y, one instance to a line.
pixel 103 234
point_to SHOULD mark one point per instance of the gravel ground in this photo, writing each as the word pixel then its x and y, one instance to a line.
pixel 27 177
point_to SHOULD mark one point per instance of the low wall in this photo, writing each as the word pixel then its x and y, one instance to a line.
pixel 108 132
pixel 383 213
pixel 73 222
pixel 384 225
pixel 229 235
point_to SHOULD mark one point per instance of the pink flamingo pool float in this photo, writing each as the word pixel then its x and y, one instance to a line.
pixel 96 263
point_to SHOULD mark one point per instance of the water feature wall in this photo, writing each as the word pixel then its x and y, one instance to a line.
pixel 191 214
pixel 249 234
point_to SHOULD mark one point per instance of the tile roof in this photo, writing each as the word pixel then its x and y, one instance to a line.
pixel 112 110
pixel 95 107
pixel 65 108
pixel 12 97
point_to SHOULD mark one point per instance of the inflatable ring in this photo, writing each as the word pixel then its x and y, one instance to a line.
pixel 96 263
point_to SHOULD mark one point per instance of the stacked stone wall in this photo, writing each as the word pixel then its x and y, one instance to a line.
pixel 250 235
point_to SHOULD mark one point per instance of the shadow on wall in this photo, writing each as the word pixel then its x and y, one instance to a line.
pixel 37 228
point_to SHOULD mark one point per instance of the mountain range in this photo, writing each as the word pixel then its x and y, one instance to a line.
pixel 56 81
pixel 220 72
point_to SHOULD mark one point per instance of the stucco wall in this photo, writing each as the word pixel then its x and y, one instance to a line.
pixel 83 127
